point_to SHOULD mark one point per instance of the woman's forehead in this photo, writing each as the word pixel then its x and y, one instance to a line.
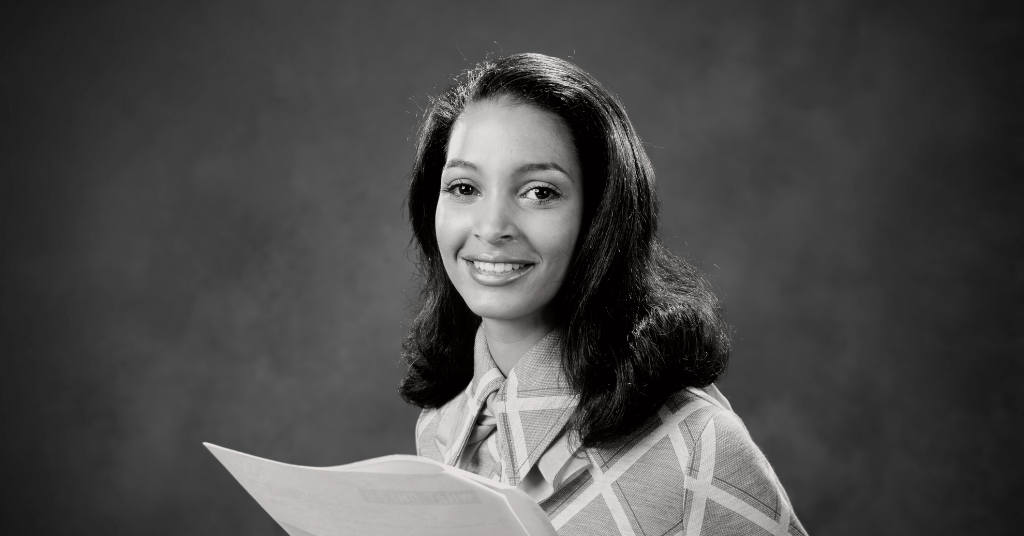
pixel 501 129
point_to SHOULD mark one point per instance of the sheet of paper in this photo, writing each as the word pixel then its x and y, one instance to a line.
pixel 392 495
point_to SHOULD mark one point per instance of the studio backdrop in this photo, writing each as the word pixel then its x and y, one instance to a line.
pixel 206 239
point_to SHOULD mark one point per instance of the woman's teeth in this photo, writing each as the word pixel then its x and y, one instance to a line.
pixel 496 267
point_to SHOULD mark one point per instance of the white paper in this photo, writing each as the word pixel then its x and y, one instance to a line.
pixel 390 495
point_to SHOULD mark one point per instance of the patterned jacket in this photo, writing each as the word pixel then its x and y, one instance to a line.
pixel 692 469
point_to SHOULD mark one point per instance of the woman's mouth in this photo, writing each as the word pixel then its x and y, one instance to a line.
pixel 497 273
pixel 496 267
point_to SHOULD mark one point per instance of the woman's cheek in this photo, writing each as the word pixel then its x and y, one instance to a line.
pixel 444 228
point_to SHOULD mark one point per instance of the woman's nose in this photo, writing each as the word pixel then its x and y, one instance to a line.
pixel 494 221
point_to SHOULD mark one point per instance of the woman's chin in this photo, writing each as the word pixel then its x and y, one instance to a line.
pixel 519 314
pixel 499 313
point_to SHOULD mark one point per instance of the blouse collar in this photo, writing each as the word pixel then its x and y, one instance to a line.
pixel 532 405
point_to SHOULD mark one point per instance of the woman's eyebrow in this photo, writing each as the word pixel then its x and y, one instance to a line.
pixel 460 164
pixel 521 170
pixel 543 166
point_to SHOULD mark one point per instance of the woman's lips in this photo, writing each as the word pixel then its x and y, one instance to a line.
pixel 497 267
pixel 497 273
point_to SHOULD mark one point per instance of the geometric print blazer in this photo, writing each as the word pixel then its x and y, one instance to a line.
pixel 692 469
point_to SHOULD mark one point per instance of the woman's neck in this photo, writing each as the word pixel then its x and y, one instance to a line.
pixel 509 340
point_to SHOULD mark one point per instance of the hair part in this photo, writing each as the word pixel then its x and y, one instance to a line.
pixel 639 323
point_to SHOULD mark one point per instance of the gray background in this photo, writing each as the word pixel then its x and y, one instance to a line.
pixel 205 241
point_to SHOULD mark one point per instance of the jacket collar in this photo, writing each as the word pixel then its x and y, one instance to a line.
pixel 532 405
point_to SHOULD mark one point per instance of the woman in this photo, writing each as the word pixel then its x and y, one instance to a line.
pixel 559 347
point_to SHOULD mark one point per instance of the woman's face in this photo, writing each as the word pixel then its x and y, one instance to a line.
pixel 510 209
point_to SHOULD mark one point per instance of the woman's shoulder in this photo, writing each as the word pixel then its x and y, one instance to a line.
pixel 704 417
pixel 681 423
pixel 697 455
pixel 716 440
pixel 710 440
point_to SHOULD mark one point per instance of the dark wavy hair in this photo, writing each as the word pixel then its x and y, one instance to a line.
pixel 639 323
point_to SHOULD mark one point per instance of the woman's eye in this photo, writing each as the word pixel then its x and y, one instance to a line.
pixel 461 189
pixel 541 193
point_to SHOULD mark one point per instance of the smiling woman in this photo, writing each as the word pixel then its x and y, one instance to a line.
pixel 558 346
pixel 507 219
